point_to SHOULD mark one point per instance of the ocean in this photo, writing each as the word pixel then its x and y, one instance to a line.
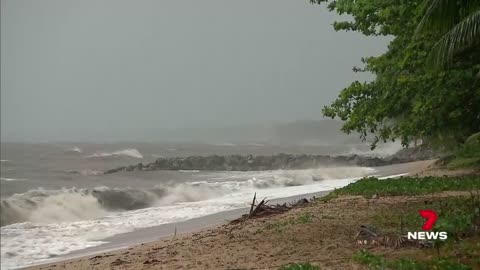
pixel 55 199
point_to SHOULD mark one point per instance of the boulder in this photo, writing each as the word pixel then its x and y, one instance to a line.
pixel 275 162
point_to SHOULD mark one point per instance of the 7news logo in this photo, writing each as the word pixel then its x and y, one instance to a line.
pixel 430 217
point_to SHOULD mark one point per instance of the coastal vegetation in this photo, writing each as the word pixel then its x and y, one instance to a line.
pixel 281 226
pixel 406 186
pixel 426 84
pixel 379 262
pixel 467 155
pixel 458 215
pixel 300 266
pixel 392 211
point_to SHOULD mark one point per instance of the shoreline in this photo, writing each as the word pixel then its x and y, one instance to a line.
pixel 188 228
pixel 165 232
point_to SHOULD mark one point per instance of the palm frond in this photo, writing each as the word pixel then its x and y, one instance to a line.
pixel 464 34
pixel 439 14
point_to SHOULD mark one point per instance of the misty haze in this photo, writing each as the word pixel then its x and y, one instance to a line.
pixel 146 70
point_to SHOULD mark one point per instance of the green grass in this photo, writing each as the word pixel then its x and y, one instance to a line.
pixel 299 266
pixel 281 226
pixel 458 216
pixel 379 262
pixel 407 186
pixel 464 163
pixel 305 218
pixel 468 250
pixel 467 155
pixel 278 227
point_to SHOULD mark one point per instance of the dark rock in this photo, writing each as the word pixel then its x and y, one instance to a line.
pixel 115 170
pixel 415 153
pixel 130 168
pixel 274 162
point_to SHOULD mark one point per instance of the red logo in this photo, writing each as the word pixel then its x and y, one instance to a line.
pixel 430 218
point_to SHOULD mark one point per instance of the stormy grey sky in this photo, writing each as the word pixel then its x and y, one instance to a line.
pixel 127 70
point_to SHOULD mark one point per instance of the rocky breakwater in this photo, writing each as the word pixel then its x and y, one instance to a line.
pixel 257 163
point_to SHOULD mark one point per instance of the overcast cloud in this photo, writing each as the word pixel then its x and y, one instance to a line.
pixel 123 70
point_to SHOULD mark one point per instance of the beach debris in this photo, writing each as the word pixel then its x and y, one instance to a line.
pixel 367 235
pixel 395 242
pixel 301 202
pixel 119 261
pixel 101 256
pixel 366 232
pixel 262 208
pixel 152 261
pixel 174 234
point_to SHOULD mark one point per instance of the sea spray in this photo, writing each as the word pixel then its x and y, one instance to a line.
pixel 70 204
pixel 131 152
pixel 29 242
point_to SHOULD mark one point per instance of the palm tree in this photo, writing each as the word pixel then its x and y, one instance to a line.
pixel 458 21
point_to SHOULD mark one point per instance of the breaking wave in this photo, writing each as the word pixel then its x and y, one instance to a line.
pixel 85 172
pixel 255 144
pixel 381 151
pixel 72 204
pixel 223 144
pixel 49 223
pixel 53 206
pixel 74 150
pixel 12 179
pixel 132 152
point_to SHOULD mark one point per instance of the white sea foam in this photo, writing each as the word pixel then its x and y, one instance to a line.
pixel 131 152
pixel 255 144
pixel 12 179
pixel 60 223
pixel 382 150
pixel 223 144
pixel 84 172
pixel 75 149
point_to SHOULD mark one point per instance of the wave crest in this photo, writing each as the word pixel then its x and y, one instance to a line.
pixel 85 172
pixel 131 152
pixel 75 149
pixel 52 206
pixel 12 179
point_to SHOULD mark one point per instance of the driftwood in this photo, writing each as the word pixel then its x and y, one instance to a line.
pixel 253 204
pixel 365 232
pixel 366 236
pixel 262 208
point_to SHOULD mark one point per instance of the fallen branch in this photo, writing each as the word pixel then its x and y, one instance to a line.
pixel 366 236
pixel 253 203
pixel 264 209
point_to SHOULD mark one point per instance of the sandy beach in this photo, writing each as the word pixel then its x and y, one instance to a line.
pixel 212 242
